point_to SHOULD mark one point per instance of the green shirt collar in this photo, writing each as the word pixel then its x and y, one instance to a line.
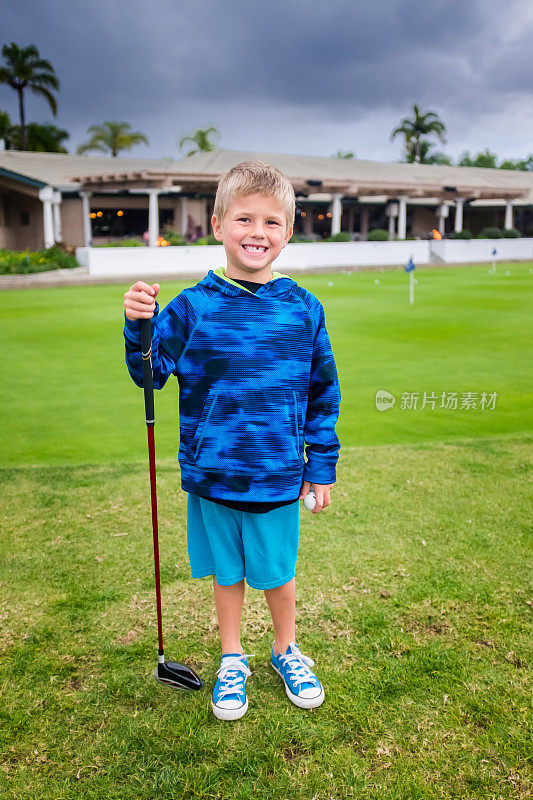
pixel 222 272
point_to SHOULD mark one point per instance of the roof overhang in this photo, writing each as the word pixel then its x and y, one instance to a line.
pixel 207 183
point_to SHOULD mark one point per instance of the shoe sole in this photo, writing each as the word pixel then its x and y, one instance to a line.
pixel 301 702
pixel 229 713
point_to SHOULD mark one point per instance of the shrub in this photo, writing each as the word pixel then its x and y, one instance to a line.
pixel 174 238
pixel 207 240
pixel 490 233
pixel 123 243
pixel 22 262
pixel 342 236
pixel 298 238
pixel 511 233
pixel 464 234
pixel 378 235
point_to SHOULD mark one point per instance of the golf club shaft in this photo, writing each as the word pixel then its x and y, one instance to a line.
pixel 148 385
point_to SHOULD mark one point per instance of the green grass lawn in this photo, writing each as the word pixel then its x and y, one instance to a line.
pixel 69 399
pixel 413 591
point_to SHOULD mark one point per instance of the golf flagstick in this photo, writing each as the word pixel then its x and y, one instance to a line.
pixel 169 672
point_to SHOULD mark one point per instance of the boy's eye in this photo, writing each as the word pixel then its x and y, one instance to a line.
pixel 243 219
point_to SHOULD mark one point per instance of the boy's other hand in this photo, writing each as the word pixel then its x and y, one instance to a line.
pixel 139 300
pixel 322 491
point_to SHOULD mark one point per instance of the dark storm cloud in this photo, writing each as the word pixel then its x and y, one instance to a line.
pixel 339 61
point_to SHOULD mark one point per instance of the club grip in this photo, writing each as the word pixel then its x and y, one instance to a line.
pixel 148 382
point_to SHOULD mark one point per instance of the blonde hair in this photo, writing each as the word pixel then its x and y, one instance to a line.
pixel 254 177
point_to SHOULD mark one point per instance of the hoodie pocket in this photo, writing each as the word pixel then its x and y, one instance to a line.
pixel 246 431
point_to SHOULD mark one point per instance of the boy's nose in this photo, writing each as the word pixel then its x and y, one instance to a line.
pixel 258 231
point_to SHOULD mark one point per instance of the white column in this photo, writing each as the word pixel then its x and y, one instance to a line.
pixel 459 202
pixel 402 216
pixel 509 223
pixel 392 212
pixel 86 211
pixel 336 210
pixel 183 229
pixel 153 216
pixel 443 214
pixel 46 196
pixel 56 212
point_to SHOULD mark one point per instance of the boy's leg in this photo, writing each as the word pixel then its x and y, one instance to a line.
pixel 282 603
pixel 228 602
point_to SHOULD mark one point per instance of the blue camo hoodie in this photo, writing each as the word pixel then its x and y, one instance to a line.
pixel 257 382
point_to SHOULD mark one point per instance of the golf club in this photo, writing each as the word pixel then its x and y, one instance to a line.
pixel 169 672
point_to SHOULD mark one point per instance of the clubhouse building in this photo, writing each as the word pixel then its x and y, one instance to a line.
pixel 87 200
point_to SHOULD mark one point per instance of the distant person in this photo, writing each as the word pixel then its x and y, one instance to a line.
pixel 257 382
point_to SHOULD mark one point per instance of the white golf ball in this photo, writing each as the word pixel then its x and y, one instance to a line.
pixel 310 500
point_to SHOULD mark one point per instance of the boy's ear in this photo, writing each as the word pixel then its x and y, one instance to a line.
pixel 217 231
pixel 289 234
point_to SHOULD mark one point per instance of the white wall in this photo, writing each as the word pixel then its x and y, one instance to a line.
pixel 474 250
pixel 351 254
pixel 139 261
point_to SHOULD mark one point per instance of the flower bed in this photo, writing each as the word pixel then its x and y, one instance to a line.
pixel 22 262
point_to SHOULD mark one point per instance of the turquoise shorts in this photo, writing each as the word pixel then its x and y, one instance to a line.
pixel 233 545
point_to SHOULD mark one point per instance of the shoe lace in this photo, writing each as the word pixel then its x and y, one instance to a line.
pixel 298 666
pixel 231 673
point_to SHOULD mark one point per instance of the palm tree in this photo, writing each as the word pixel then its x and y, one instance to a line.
pixel 6 130
pixel 41 138
pixel 425 156
pixel 200 138
pixel 413 128
pixel 112 137
pixel 27 70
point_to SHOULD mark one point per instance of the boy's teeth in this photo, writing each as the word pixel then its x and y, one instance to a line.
pixel 253 249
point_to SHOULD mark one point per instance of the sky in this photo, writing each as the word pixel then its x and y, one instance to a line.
pixel 284 76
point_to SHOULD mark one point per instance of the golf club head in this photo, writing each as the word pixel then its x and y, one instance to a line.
pixel 177 675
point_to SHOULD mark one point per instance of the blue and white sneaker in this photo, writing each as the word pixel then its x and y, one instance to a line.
pixel 229 699
pixel 302 686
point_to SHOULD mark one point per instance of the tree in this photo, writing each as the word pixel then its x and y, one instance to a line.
pixel 485 159
pixel 41 138
pixel 522 164
pixel 200 138
pixel 344 154
pixel 413 128
pixel 6 130
pixel 425 156
pixel 111 137
pixel 25 69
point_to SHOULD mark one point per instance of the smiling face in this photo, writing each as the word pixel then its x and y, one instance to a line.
pixel 254 232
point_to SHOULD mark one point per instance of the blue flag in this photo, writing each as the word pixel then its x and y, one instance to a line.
pixel 410 265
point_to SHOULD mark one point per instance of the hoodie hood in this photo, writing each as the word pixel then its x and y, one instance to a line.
pixel 278 286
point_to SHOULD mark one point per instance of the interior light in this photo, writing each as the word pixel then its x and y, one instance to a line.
pixel 99 213
pixel 120 213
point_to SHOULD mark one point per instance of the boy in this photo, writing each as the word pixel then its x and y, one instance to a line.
pixel 257 379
